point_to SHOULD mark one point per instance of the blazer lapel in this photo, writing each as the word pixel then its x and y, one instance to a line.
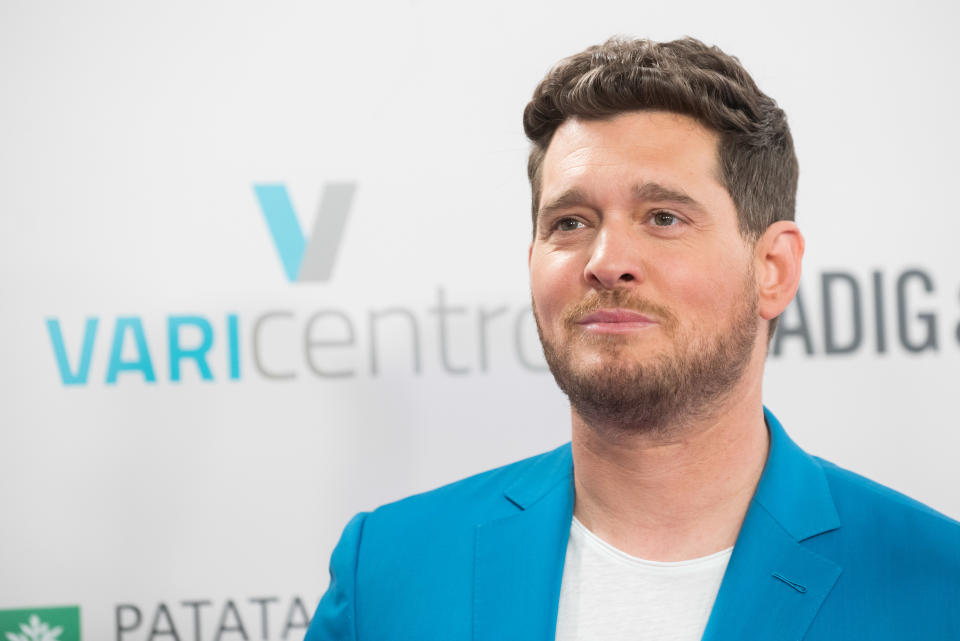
pixel 518 561
pixel 774 586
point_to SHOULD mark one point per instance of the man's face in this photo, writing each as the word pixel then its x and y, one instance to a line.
pixel 642 285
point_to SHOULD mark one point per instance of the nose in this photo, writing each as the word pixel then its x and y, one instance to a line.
pixel 615 259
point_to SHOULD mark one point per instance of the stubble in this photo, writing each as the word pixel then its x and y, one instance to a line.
pixel 651 395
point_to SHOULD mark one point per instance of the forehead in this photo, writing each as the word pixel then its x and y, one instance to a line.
pixel 639 146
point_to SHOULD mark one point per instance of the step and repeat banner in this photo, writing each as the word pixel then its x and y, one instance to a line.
pixel 264 266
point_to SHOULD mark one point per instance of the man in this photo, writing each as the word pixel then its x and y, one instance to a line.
pixel 663 188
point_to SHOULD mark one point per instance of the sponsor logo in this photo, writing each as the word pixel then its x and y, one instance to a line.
pixel 329 342
pixel 289 344
pixel 304 261
pixel 40 624
pixel 261 618
pixel 881 313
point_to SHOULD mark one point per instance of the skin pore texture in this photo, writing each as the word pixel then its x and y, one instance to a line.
pixel 653 311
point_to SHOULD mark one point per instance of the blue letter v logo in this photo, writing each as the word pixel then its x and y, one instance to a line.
pixel 305 262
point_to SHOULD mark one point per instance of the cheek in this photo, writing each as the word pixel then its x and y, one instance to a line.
pixel 700 289
pixel 555 282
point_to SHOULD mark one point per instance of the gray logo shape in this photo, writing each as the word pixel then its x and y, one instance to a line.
pixel 320 254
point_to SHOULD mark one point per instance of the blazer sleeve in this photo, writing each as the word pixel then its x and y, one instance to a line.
pixel 335 618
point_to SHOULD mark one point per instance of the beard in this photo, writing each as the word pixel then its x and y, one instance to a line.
pixel 623 396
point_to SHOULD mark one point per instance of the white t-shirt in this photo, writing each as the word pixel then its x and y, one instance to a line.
pixel 608 595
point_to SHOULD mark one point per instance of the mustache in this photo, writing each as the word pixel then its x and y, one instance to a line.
pixel 622 299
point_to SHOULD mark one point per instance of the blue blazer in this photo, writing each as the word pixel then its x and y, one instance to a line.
pixel 822 554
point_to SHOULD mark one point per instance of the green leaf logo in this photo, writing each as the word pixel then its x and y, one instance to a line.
pixel 40 624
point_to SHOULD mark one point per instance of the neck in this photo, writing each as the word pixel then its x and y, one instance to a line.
pixel 676 494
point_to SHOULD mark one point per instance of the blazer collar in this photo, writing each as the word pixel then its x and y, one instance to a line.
pixel 793 488
pixel 541 475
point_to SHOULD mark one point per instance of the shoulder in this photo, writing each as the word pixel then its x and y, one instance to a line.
pixel 411 561
pixel 414 558
pixel 878 517
pixel 900 563
pixel 855 491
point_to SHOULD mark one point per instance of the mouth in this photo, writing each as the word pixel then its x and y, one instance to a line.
pixel 615 321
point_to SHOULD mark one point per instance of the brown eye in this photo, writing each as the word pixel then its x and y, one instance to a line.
pixel 665 219
pixel 568 224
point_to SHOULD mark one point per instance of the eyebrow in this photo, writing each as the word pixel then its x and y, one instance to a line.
pixel 641 192
pixel 656 191
pixel 570 198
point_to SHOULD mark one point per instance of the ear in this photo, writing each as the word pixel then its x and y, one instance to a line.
pixel 777 257
pixel 529 255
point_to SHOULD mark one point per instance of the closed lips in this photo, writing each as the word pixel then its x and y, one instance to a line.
pixel 615 316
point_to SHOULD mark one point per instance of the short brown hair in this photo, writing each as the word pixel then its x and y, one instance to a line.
pixel 755 153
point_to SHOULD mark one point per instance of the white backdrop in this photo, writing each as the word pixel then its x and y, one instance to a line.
pixel 131 138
